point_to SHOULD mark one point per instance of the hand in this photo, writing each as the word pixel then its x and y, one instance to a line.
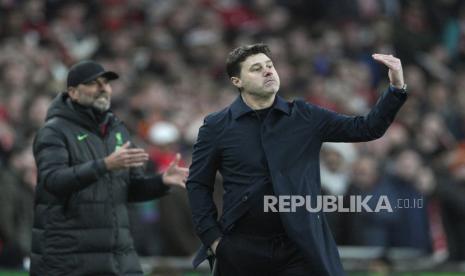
pixel 396 76
pixel 126 157
pixel 175 175
pixel 215 245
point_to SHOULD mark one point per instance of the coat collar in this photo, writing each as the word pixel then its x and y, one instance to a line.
pixel 239 108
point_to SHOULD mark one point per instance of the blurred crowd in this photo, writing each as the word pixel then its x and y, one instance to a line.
pixel 170 55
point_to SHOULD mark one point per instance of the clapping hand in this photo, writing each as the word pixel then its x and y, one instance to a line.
pixel 175 175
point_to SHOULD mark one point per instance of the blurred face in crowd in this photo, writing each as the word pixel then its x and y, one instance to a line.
pixel 333 160
pixel 23 163
pixel 408 164
pixel 257 77
pixel 38 110
pixel 96 94
pixel 365 172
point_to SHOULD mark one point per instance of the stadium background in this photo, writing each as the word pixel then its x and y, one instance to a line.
pixel 171 54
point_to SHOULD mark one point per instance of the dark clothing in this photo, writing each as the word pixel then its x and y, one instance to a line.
pixel 256 221
pixel 259 223
pixel 259 256
pixel 403 227
pixel 290 137
pixel 452 197
pixel 16 197
pixel 80 219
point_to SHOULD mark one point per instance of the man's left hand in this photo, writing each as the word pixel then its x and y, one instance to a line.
pixel 396 76
pixel 175 175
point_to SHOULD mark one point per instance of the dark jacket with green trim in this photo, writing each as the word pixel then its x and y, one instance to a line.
pixel 81 224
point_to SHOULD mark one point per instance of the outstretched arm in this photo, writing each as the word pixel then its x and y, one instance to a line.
pixel 175 175
pixel 334 127
pixel 143 187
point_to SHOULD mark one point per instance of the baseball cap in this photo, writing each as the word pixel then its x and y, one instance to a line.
pixel 86 71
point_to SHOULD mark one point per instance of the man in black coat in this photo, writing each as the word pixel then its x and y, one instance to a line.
pixel 88 171
pixel 264 145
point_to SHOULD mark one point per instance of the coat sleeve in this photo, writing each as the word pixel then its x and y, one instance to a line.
pixel 55 172
pixel 144 187
pixel 334 127
pixel 200 185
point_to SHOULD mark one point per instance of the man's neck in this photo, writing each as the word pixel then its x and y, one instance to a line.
pixel 257 103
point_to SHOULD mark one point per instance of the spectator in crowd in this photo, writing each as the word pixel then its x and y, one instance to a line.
pixel 17 185
pixel 336 160
pixel 364 181
pixel 407 225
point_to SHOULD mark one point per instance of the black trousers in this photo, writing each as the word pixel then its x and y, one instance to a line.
pixel 243 255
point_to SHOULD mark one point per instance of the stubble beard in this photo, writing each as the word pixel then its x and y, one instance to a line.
pixel 101 103
pixel 264 93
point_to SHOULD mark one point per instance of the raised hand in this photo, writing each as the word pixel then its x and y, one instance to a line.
pixel 396 75
pixel 175 175
pixel 126 157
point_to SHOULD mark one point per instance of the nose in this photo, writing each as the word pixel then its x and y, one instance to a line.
pixel 268 72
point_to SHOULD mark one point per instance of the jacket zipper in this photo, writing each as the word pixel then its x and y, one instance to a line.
pixel 108 151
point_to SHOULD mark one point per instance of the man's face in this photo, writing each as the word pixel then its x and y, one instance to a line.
pixel 408 164
pixel 96 94
pixel 364 173
pixel 257 76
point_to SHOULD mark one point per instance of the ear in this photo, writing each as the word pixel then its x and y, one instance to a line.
pixel 73 93
pixel 236 82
